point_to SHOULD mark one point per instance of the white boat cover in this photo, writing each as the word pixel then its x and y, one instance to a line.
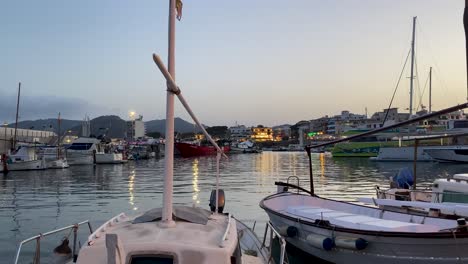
pixel 356 221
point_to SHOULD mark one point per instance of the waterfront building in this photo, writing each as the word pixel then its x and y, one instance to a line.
pixel 393 116
pixel 7 135
pixel 240 133
pixel 261 133
pixel 136 128
pixel 280 132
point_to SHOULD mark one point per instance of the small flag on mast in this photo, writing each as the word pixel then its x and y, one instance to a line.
pixel 179 9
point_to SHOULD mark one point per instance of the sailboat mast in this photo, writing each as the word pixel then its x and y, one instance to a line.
pixel 465 24
pixel 17 112
pixel 412 68
pixel 58 136
pixel 169 145
pixel 430 89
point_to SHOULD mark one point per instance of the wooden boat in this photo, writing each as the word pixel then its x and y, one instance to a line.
pixel 342 232
pixel 191 150
pixel 25 158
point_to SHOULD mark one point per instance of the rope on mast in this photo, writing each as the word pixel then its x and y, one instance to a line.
pixel 396 87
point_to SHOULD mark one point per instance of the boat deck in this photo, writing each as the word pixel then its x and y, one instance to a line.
pixel 186 242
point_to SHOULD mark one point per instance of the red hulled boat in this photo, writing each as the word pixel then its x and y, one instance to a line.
pixel 191 150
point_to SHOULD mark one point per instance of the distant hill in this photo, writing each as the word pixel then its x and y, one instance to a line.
pixel 49 124
pixel 180 126
pixel 110 125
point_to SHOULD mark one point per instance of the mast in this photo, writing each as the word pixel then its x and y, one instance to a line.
pixel 412 68
pixel 58 135
pixel 430 89
pixel 17 112
pixel 465 24
pixel 166 220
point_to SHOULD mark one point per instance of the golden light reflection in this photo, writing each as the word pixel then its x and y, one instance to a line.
pixel 322 164
pixel 131 196
pixel 196 191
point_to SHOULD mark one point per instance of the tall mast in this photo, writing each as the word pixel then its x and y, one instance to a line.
pixel 17 112
pixel 430 89
pixel 412 68
pixel 169 145
pixel 465 24
pixel 58 136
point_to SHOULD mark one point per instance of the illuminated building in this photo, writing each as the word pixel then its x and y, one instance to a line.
pixel 261 133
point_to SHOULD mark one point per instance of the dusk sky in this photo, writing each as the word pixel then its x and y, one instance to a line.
pixel 256 62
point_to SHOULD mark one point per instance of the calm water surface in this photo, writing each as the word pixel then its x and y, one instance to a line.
pixel 39 201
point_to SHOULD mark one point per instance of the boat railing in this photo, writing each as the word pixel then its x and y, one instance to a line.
pixel 228 226
pixel 37 253
pixel 274 234
pixel 297 180
pixel 429 195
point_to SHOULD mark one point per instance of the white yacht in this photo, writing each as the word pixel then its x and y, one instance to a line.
pixel 457 154
pixel 81 151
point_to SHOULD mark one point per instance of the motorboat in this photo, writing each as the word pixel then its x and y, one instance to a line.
pixel 399 154
pixel 60 163
pixel 447 198
pixel 108 154
pixel 457 154
pixel 109 158
pixel 244 147
pixel 81 151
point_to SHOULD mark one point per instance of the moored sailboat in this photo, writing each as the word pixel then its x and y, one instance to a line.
pixel 174 234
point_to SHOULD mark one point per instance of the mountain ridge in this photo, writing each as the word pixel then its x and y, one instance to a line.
pixel 110 125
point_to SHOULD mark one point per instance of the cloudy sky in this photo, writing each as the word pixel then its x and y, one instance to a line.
pixel 252 62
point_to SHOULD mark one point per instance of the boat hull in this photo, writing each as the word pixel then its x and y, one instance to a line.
pixel 382 247
pixel 27 165
pixel 109 158
pixel 80 159
pixel 459 155
pixel 57 164
pixel 189 150
pixel 399 154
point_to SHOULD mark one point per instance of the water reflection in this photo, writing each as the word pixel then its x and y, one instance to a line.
pixel 195 182
pixel 33 202
pixel 131 183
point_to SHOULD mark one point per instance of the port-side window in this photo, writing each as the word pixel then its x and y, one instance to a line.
pixel 152 259
pixel 454 197
pixel 460 124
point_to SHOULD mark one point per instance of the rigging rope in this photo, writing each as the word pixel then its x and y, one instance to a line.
pixel 396 88
pixel 424 90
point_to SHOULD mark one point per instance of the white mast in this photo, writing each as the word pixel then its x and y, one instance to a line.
pixel 412 69
pixel 166 220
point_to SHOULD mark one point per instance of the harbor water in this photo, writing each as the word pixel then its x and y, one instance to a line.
pixel 38 201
